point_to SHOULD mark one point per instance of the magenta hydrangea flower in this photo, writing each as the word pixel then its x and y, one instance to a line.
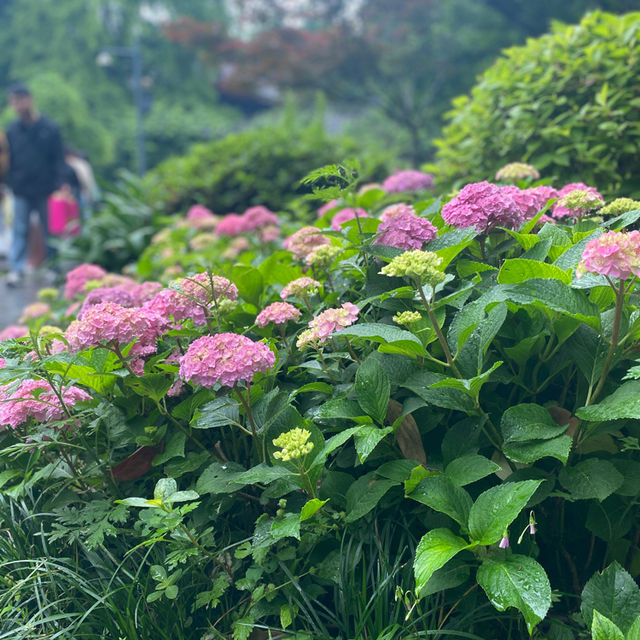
pixel 530 201
pixel 344 215
pixel 258 217
pixel 36 399
pixel 328 206
pixel 327 323
pixel 403 229
pixel 408 180
pixel 277 313
pixel 560 212
pixel 14 331
pixel 300 287
pixel 199 212
pixel 77 279
pixel 615 254
pixel 225 358
pixel 110 323
pixel 231 225
pixel 483 205
pixel 304 241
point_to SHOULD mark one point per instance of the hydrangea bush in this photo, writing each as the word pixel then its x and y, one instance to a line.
pixel 452 384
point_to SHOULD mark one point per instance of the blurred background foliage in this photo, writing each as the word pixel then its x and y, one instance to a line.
pixel 389 68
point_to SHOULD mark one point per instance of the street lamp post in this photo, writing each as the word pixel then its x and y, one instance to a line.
pixel 105 59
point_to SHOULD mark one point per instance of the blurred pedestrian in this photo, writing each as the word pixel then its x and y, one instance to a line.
pixel 4 167
pixel 88 192
pixel 35 171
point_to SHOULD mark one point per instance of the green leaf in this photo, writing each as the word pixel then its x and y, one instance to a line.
pixel 520 270
pixel 287 526
pixel 591 478
pixel 182 496
pixel 603 629
pixel 164 488
pixel 310 507
pixel 615 594
pixel 367 438
pixel 623 403
pixel 339 408
pixel 439 493
pixel 446 398
pixel 470 468
pixel 471 387
pixel 249 281
pixel 217 413
pixel 434 550
pixel 385 334
pixel 497 508
pixel 171 591
pixel 216 478
pixel 530 452
pixel 364 494
pixel 174 449
pixel 261 474
pixel 373 389
pixel 634 631
pixel 154 385
pixel 517 581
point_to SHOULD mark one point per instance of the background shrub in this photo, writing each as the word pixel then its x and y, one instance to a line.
pixel 566 102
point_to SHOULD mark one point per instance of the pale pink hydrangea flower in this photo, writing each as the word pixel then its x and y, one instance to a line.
pixel 344 215
pixel 77 279
pixel 14 331
pixel 3 363
pixel 615 254
pixel 144 291
pixel 119 295
pixel 277 313
pixel 36 399
pixel 34 310
pixel 300 287
pixel 560 212
pixel 235 248
pixel 202 241
pixel 176 388
pixel 270 233
pixel 231 225
pixel 109 323
pixel 327 207
pixel 368 187
pixel 304 241
pixel 327 323
pixel 259 217
pixel 408 180
pixel 483 205
pixel 403 229
pixel 225 358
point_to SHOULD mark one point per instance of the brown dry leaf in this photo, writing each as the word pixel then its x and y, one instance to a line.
pixel 408 434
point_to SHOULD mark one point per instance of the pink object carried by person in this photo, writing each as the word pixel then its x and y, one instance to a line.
pixel 64 214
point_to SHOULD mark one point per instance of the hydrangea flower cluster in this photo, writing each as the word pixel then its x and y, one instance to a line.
pixel 258 217
pixel 34 310
pixel 580 202
pixel 421 266
pixel 304 241
pixel 322 257
pixel 327 323
pixel 270 233
pixel 199 217
pixel 225 358
pixel 344 215
pixel 517 171
pixel 108 322
pixel 559 211
pixel 409 180
pixel 201 241
pixel 293 444
pixel 403 229
pixel 235 248
pixel 77 279
pixel 14 331
pixel 530 201
pixel 119 295
pixel 231 225
pixel 300 287
pixel 615 254
pixel 36 399
pixel 620 206
pixel 407 318
pixel 327 207
pixel 277 313
pixel 483 205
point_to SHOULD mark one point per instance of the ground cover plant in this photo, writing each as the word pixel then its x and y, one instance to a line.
pixel 412 418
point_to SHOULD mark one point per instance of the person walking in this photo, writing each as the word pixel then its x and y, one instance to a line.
pixel 36 169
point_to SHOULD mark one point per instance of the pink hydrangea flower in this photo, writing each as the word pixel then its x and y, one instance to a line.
pixel 110 323
pixel 225 358
pixel 199 212
pixel 304 241
pixel 403 229
pixel 327 323
pixel 77 279
pixel 258 217
pixel 300 286
pixel 34 310
pixel 409 180
pixel 327 207
pixel 36 399
pixel 615 254
pixel 14 331
pixel 560 212
pixel 144 291
pixel 277 313
pixel 235 248
pixel 119 295
pixel 269 233
pixel 344 215
pixel 530 201
pixel 483 205
pixel 231 225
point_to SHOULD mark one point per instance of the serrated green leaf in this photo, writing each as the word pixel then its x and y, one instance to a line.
pixel 623 403
pixel 591 478
pixel 470 468
pixel 364 494
pixel 520 270
pixel 439 493
pixel 434 550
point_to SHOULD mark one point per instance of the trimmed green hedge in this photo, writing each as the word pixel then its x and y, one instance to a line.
pixel 566 102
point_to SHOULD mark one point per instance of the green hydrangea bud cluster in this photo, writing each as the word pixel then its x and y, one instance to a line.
pixel 421 266
pixel 517 171
pixel 619 206
pixel 224 306
pixel 48 294
pixel 407 318
pixel 293 444
pixel 580 200
pixel 322 257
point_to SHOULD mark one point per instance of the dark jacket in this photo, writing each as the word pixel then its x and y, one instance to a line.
pixel 36 158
